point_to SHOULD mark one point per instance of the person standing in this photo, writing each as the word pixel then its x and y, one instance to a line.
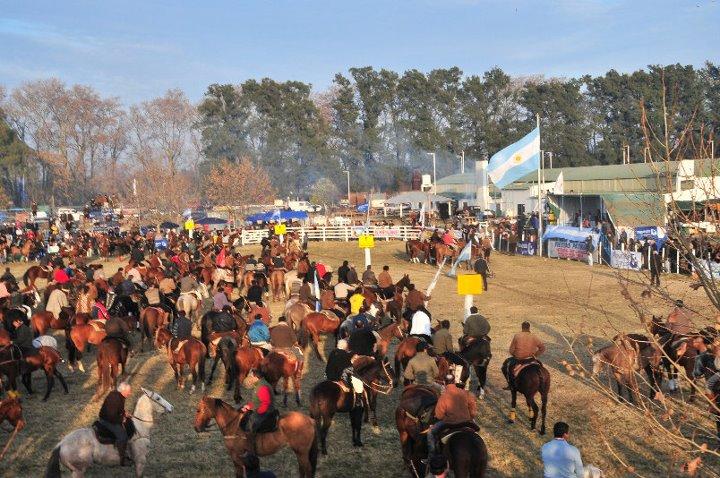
pixel 561 459
pixel 590 247
pixel 481 267
pixel 655 267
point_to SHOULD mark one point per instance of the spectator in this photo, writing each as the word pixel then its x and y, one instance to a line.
pixel 561 459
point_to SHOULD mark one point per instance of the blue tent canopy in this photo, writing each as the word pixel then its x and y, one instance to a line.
pixel 574 234
pixel 278 216
pixel 210 221
pixel 363 207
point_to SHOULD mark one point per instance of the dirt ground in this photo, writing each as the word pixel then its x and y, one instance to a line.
pixel 559 298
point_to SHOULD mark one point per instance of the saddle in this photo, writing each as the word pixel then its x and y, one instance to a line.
pixel 421 408
pixel 106 437
pixel 519 367
pixel 179 346
pixel 269 424
pixel 453 429
pixel 332 314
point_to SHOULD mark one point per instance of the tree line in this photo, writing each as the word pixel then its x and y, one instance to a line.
pixel 69 142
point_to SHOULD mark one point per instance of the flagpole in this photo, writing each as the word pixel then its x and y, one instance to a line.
pixel 540 222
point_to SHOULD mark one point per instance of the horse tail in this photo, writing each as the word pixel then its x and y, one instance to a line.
pixel 25 276
pixel 53 466
pixel 313 454
pixel 201 364
pixel 407 247
pixel 303 335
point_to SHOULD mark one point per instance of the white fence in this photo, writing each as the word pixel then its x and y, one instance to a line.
pixel 337 233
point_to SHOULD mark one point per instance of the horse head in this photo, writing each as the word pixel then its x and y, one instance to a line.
pixel 160 405
pixel 205 412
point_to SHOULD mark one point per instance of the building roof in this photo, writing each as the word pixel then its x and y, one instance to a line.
pixel 634 209
pixel 465 178
pixel 605 171
pixel 416 196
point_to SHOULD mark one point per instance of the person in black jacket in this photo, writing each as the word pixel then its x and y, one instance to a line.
pixel 181 328
pixel 343 272
pixel 223 321
pixel 23 337
pixel 481 267
pixel 655 267
pixel 363 341
pixel 255 292
pixel 339 368
pixel 113 416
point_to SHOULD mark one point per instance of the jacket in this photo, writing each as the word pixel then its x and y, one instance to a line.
pixel 442 341
pixel 57 300
pixel 481 266
pixel 254 293
pixel 258 332
pixel 421 369
pixel 113 408
pixel 282 336
pixel 356 303
pixel 223 322
pixel 352 277
pixel 337 361
pixel 415 299
pixel 525 345
pixel 116 327
pixel 368 278
pixel 181 328
pixel 306 294
pixel 24 338
pixel 476 326
pixel 153 295
pixel 188 284
pixel 362 341
pixel 384 280
pixel 343 273
pixel 167 285
pixel 455 405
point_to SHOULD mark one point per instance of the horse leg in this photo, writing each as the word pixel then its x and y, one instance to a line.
pixel 315 339
pixel 513 403
pixel 481 372
pixel 212 369
pixel 398 365
pixel 62 380
pixel 27 382
pixel 285 391
pixel 296 385
pixel 532 406
pixel 373 411
pixel 543 410
pixel 194 373
pixel 49 383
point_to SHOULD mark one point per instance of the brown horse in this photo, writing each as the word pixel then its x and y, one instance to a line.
pixel 677 352
pixel 43 321
pixel 46 360
pixel 11 410
pixel 625 358
pixel 33 273
pixel 277 284
pixel 443 250
pixel 151 318
pixel 314 324
pixel 295 430
pixel 533 378
pixel 283 364
pixel 189 352
pixel 247 358
pixel 387 333
pixel 78 336
pixel 414 248
pixel 295 314
pixel 111 358
pixel 328 398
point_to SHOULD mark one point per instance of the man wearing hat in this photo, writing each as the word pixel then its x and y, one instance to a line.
pixel 454 407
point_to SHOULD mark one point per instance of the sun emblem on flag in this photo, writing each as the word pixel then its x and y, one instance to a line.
pixel 517 159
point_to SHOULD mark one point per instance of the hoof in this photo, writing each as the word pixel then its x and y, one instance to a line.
pixel 376 430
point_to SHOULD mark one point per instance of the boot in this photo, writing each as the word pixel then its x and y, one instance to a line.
pixel 250 443
pixel 122 450
pixel 432 443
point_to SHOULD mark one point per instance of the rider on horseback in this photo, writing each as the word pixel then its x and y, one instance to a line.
pixel 339 368
pixel 524 348
pixel 260 408
pixel 422 368
pixel 456 406
pixel 475 327
pixel 113 416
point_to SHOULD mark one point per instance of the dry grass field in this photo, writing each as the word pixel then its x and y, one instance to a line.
pixel 559 298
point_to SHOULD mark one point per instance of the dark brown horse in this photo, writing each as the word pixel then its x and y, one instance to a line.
pixel 328 398
pixel 283 364
pixel 33 273
pixel 314 324
pixel 414 248
pixel 247 358
pixel 295 430
pixel 46 360
pixel 11 410
pixel 674 355
pixel 532 379
pixel 151 318
pixel 111 359
pixel 189 352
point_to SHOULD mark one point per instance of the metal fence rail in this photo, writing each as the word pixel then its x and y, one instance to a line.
pixel 337 233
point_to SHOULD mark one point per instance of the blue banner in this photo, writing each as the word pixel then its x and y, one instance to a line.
pixel 626 260
pixel 526 248
pixel 161 244
pixel 655 233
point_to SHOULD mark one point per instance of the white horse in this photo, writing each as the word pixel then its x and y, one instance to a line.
pixel 190 302
pixel 80 449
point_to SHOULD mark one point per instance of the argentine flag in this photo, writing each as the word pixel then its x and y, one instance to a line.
pixel 316 286
pixel 465 255
pixel 516 160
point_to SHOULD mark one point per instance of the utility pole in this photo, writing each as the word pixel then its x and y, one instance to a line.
pixel 462 162
pixel 347 171
pixel 434 178
pixel 712 149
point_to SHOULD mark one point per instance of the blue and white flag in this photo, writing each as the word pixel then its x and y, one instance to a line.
pixel 316 285
pixel 465 255
pixel 422 216
pixel 516 160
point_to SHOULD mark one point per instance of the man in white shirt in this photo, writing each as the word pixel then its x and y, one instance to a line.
pixel 342 290
pixel 561 459
pixel 421 326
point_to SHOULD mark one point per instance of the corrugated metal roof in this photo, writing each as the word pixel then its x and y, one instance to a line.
pixel 607 171
pixel 466 178
pixel 635 209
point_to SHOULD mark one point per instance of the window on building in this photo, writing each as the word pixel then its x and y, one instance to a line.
pixel 687 185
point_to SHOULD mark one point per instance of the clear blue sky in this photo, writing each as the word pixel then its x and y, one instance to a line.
pixel 138 49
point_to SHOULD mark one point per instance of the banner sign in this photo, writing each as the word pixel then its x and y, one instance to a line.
pixel 526 248
pixel 626 260
pixel 280 229
pixel 366 241
pixel 469 284
pixel 564 249
pixel 161 244
pixel 387 232
pixel 709 266
pixel 651 232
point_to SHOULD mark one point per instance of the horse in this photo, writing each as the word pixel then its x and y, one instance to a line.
pixel 151 318
pixel 387 333
pixel 247 358
pixel 78 336
pixel 190 352
pixel 314 324
pixel 12 412
pixel 33 273
pixel 415 247
pixel 443 250
pixel 625 357
pixel 208 335
pixel 190 303
pixel 226 348
pixel 41 322
pixel 533 378
pixel 277 284
pixel 682 356
pixel 328 398
pixel 46 359
pixel 295 430
pixel 413 417
pixel 296 313
pixel 477 354
pixel 111 355
pixel 283 364
pixel 80 449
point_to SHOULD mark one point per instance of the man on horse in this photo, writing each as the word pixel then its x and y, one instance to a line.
pixel 255 292
pixel 475 327
pixel 339 368
pixel 456 406
pixel 23 337
pixel 368 277
pixel 220 299
pixel 420 326
pixel 343 272
pixel 363 340
pixel 259 409
pixel 57 300
pixel 386 284
pixel 181 330
pixel 415 300
pixel 422 369
pixel 282 336
pixel 524 348
pixel 258 333
pixel 113 416
pixel 306 295
pixel 116 328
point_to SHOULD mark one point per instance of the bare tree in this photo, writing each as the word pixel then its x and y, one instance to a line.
pixel 237 185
